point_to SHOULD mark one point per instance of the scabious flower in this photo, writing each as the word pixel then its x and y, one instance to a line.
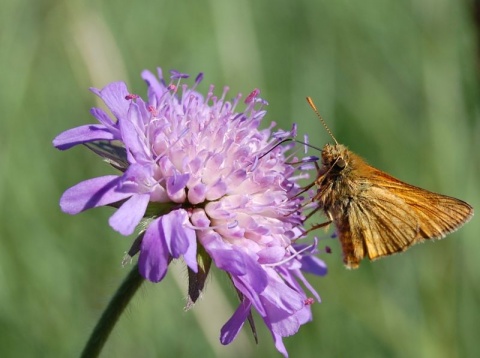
pixel 210 187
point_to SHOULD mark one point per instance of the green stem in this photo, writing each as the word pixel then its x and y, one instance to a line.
pixel 112 313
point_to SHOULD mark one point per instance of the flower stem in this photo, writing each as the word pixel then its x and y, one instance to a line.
pixel 112 313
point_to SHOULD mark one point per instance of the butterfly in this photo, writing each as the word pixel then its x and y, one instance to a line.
pixel 375 214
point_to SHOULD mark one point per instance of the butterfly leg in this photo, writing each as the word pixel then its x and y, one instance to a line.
pixel 304 189
pixel 309 186
pixel 318 226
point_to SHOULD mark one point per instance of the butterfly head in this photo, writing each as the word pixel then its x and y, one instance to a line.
pixel 335 157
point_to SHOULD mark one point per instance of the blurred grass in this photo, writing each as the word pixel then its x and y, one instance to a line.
pixel 396 81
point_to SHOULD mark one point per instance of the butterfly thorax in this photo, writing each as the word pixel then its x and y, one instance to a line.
pixel 336 186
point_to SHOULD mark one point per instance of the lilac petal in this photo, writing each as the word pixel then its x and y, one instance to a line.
pixel 127 217
pixel 304 315
pixel 252 283
pixel 235 262
pixel 279 344
pixel 105 119
pixel 309 287
pixel 290 276
pixel 138 179
pixel 82 134
pixel 131 129
pixel 199 219
pixel 313 265
pixel 278 304
pixel 176 183
pixel 283 323
pixel 217 190
pixel 249 292
pixel 255 276
pixel 231 328
pixel 230 261
pixel 190 256
pixel 281 298
pixel 102 117
pixel 196 194
pixel 114 95
pixel 247 275
pixel 92 193
pixel 271 255
pixel 154 86
pixel 153 259
pixel 145 111
pixel 239 264
pixel 177 234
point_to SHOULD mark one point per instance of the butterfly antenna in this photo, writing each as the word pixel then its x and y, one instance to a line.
pixel 310 102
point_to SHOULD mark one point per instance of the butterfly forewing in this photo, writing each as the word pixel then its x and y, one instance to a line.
pixel 437 214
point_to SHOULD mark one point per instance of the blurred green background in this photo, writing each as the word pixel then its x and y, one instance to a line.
pixel 397 81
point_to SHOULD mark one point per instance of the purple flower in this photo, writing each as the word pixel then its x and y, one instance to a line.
pixel 211 188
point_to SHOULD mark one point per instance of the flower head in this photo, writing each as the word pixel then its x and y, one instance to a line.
pixel 211 187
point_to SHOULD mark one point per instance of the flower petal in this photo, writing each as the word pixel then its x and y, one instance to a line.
pixel 176 183
pixel 105 119
pixel 133 136
pixel 278 339
pixel 292 275
pixel 127 217
pixel 153 260
pixel 231 328
pixel 190 256
pixel 114 95
pixel 82 134
pixel 230 261
pixel 271 254
pixel 138 179
pixel 155 88
pixel 178 234
pixel 281 297
pixel 92 193
pixel 313 265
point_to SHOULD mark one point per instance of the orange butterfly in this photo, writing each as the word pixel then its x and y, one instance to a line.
pixel 375 214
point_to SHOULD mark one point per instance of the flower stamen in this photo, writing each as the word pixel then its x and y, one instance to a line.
pixel 293 256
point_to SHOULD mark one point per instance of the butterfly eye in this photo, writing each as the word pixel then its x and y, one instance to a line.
pixel 340 163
